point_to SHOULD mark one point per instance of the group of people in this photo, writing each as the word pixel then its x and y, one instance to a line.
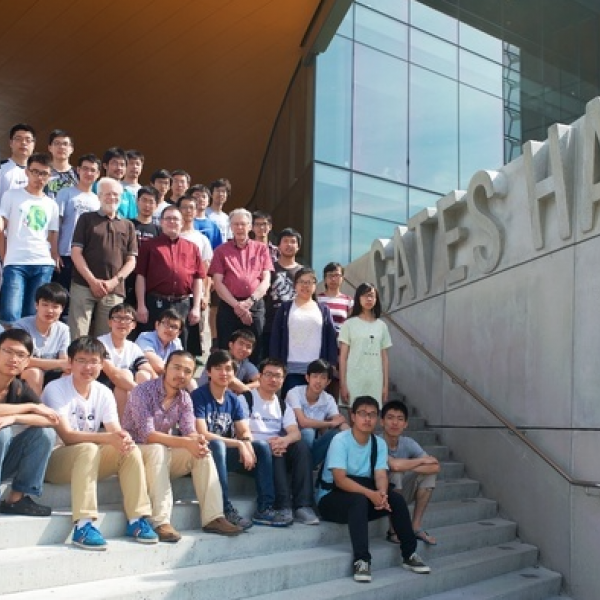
pixel 106 286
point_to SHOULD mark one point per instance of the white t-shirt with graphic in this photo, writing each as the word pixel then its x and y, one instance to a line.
pixel 30 219
pixel 83 414
pixel 265 419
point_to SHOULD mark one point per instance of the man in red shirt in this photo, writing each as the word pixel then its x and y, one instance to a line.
pixel 241 271
pixel 169 274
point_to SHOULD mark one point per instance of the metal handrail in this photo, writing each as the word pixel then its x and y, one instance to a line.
pixel 483 402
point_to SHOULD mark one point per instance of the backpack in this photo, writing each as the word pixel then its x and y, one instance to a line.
pixel 250 401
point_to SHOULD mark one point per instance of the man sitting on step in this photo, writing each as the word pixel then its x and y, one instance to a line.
pixel 160 417
pixel 353 488
pixel 87 454
pixel 412 470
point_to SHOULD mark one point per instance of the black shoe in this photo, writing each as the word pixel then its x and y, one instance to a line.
pixel 362 571
pixel 25 506
pixel 416 564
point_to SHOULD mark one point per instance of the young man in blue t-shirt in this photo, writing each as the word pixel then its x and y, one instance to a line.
pixel 354 489
pixel 220 418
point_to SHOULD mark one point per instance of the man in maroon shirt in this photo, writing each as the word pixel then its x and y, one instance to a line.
pixel 241 271
pixel 169 274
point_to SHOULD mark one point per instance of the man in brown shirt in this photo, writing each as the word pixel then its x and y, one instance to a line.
pixel 103 251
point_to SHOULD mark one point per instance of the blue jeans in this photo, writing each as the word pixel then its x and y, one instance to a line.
pixel 24 457
pixel 318 445
pixel 19 284
pixel 229 459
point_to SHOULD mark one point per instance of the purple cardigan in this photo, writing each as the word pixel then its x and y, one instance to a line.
pixel 280 335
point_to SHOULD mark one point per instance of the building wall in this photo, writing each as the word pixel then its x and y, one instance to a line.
pixel 501 283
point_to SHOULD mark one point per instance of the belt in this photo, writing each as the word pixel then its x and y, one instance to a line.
pixel 169 298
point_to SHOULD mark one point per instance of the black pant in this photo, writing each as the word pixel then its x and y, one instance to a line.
pixel 228 322
pixel 357 510
pixel 298 460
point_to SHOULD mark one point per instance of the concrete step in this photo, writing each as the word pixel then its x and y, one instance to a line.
pixel 197 547
pixel 455 489
pixel 451 470
pixel 532 583
pixel 442 453
pixel 423 437
pixel 298 574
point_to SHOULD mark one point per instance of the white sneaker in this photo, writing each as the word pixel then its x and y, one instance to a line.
pixel 306 515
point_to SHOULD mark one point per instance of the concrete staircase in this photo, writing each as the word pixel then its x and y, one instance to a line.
pixel 478 556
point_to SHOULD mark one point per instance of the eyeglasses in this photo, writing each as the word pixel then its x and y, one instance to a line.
pixel 363 414
pixel 20 356
pixel 170 326
pixel 123 319
pixel 26 140
pixel 85 362
pixel 272 375
pixel 171 219
pixel 38 173
pixel 306 282
pixel 61 143
pixel 89 169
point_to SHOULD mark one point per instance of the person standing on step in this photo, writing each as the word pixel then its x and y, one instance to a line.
pixel 412 470
pixel 353 488
pixel 87 454
pixel 26 429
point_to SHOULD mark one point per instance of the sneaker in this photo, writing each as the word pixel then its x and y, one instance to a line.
pixel 269 518
pixel 362 571
pixel 306 515
pixel 25 506
pixel 416 564
pixel 285 514
pixel 234 517
pixel 88 538
pixel 141 531
pixel 167 533
pixel 221 526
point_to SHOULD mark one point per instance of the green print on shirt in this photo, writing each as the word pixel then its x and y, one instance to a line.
pixel 36 218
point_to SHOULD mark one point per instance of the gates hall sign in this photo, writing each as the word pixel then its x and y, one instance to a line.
pixel 543 201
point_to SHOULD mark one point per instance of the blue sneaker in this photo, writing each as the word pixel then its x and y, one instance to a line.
pixel 88 538
pixel 269 518
pixel 141 531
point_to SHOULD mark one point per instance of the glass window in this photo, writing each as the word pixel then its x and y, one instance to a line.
pixel 381 32
pixel 347 25
pixel 433 53
pixel 380 114
pixel 365 230
pixel 420 199
pixel 394 8
pixel 480 42
pixel 481 143
pixel 377 198
pixel 331 217
pixel 433 134
pixel 334 104
pixel 481 73
pixel 433 21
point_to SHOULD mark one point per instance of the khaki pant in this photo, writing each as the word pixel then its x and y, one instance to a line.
pixel 163 464
pixel 409 482
pixel 83 465
pixel 83 305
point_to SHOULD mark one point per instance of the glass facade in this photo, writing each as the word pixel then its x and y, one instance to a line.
pixel 412 97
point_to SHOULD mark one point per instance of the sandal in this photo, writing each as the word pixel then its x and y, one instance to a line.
pixel 422 535
pixel 391 537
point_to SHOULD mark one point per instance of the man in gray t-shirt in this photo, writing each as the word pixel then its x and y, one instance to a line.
pixel 412 470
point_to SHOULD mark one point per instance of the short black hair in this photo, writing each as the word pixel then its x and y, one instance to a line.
pixel 271 362
pixel 171 315
pixel 52 292
pixel 221 182
pixel 320 366
pixel 123 307
pixel 176 353
pixel 114 152
pixel 259 214
pixel 218 357
pixel 289 232
pixel 149 191
pixel 364 401
pixel 89 158
pixel 395 405
pixel 21 127
pixel 304 271
pixel 180 172
pixel 134 154
pixel 42 158
pixel 16 334
pixel 160 174
pixel 56 133
pixel 199 187
pixel 88 345
pixel 244 334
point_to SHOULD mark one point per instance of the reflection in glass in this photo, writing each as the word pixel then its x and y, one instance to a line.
pixel 331 223
pixel 377 198
pixel 481 73
pixel 420 199
pixel 480 42
pixel 481 133
pixel 433 21
pixel 381 32
pixel 380 112
pixel 365 230
pixel 395 8
pixel 433 53
pixel 433 135
pixel 347 25
pixel 334 104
